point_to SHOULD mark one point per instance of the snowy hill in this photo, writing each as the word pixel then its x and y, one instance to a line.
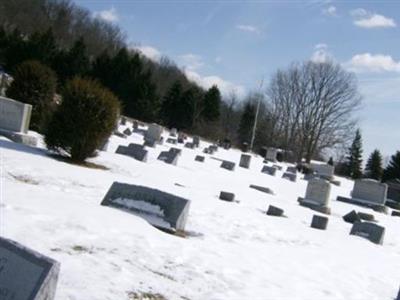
pixel 232 251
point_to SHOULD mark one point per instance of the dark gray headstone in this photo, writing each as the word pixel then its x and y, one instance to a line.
pixel 168 157
pixel 199 158
pixel 274 211
pixel 162 210
pixel 278 167
pixel 214 148
pixel 319 222
pixel 172 141
pixel 395 213
pixel 269 170
pixel 135 151
pixel 189 145
pixel 26 274
pixel 245 160
pixel 150 143
pixel 226 196
pixel 290 176
pixel 196 141
pixel 291 170
pixel 119 134
pixel 352 217
pixel 262 189
pixel 228 165
pixel 370 231
pixel 127 131
pixel 366 217
pixel 175 150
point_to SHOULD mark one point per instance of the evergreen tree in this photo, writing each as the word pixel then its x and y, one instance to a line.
pixel 354 160
pixel 330 161
pixel 246 123
pixel 186 109
pixel 392 171
pixel 169 109
pixel 374 169
pixel 211 104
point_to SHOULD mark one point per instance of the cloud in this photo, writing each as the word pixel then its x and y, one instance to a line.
pixel 225 87
pixel 330 11
pixel 321 54
pixel 109 15
pixel 366 19
pixel 368 62
pixel 150 52
pixel 248 28
pixel 191 61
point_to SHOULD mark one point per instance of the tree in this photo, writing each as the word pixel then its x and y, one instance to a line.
pixel 374 169
pixel 34 84
pixel 86 117
pixel 169 108
pixel 211 104
pixel 392 171
pixel 354 159
pixel 246 122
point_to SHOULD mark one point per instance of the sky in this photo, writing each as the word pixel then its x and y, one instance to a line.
pixel 236 44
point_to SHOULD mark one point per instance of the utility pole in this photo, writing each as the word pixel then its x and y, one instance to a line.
pixel 257 111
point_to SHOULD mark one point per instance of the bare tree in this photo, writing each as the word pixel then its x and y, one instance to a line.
pixel 312 106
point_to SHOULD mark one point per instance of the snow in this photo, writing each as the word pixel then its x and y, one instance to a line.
pixel 232 251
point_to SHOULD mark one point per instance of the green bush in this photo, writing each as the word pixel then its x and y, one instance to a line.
pixel 86 117
pixel 35 84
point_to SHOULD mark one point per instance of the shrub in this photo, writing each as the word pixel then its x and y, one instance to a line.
pixel 35 84
pixel 86 117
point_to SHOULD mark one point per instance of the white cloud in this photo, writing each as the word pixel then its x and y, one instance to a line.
pixel 321 54
pixel 368 62
pixel 247 28
pixel 109 15
pixel 150 52
pixel 330 11
pixel 366 19
pixel 225 87
pixel 191 61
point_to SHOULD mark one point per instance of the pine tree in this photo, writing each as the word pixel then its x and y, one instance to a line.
pixel 354 160
pixel 211 104
pixel 169 107
pixel 374 168
pixel 246 122
pixel 392 171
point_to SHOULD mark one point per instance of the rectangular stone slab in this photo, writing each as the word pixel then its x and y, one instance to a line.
pixel 268 170
pixel 26 274
pixel 245 160
pixel 319 222
pixel 369 190
pixel 199 158
pixel 369 231
pixel 228 165
pixel 261 189
pixel 168 157
pixel 135 151
pixel 226 196
pixel 290 176
pixel 14 115
pixel 161 209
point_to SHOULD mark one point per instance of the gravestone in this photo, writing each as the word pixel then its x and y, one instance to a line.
pixel 245 160
pixel 277 167
pixel 162 210
pixel 263 152
pixel 228 165
pixel 169 157
pixel 245 147
pixel 272 154
pixel 175 150
pixel 173 132
pixel 395 213
pixel 226 196
pixel 261 189
pixel 119 134
pixel 123 121
pixel 370 231
pixel 153 134
pixel 368 193
pixel 291 170
pixel 196 141
pixel 323 170
pixel 319 222
pixel 274 211
pixel 352 217
pixel 172 141
pixel 127 131
pixel 15 117
pixel 26 274
pixel 213 148
pixel 135 125
pixel 317 196
pixel 290 176
pixel 393 192
pixel 268 170
pixel 199 158
pixel 189 145
pixel 366 217
pixel 135 151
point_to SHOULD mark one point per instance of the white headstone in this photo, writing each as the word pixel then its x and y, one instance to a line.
pixel 14 115
pixel 323 170
pixel 318 192
pixel 271 154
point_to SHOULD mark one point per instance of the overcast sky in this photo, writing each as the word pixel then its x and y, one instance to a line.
pixel 236 43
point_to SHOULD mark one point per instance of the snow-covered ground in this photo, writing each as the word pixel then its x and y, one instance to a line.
pixel 233 250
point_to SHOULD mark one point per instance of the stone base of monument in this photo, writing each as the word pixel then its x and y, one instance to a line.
pixel 314 206
pixel 162 210
pixel 319 222
pixel 369 231
pixel 262 189
pixel 26 274
pixel 275 211
pixel 360 202
pixel 19 137
pixel 226 196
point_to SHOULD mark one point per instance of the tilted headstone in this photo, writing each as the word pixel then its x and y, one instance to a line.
pixel 199 158
pixel 135 151
pixel 228 165
pixel 269 170
pixel 14 115
pixel 226 196
pixel 323 170
pixel 127 131
pixel 352 217
pixel 168 157
pixel 245 160
pixel 395 213
pixel 370 231
pixel 261 189
pixel 153 134
pixel 274 211
pixel 196 141
pixel 319 222
pixel 317 195
pixel 189 145
pixel 160 209
pixel 26 274
pixel 272 154
pixel 290 176
pixel 172 141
